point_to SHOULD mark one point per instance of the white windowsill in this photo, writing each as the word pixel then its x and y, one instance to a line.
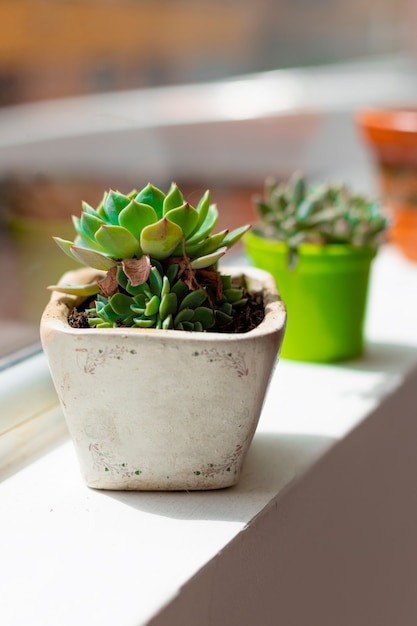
pixel 72 555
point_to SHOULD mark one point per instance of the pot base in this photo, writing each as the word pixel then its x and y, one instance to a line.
pixel 102 468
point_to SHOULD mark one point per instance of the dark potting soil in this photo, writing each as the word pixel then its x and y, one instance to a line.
pixel 247 318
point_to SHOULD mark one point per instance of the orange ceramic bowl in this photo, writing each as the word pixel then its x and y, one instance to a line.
pixel 391 135
pixel 391 132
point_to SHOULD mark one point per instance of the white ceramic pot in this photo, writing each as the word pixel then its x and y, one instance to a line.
pixel 155 409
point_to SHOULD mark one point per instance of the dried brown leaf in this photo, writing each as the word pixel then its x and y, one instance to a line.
pixel 185 272
pixel 137 270
pixel 210 276
pixel 108 285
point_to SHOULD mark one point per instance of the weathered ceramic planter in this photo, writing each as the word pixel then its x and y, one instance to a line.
pixel 155 409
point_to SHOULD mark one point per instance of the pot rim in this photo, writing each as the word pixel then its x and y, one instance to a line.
pixel 400 118
pixel 55 314
pixel 314 249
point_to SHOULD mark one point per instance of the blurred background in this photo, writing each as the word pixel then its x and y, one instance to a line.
pixel 99 94
pixel 62 48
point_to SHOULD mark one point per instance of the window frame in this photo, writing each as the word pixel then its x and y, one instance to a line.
pixel 31 417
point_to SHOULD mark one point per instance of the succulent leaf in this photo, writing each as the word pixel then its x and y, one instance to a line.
pixel 152 306
pixel 138 305
pixel 92 258
pixel 207 245
pixel 118 241
pixel 154 197
pixel 193 299
pixel 234 236
pixel 227 308
pixel 180 289
pixel 160 239
pixel 184 315
pixel 185 217
pixel 299 187
pixel 173 199
pixel 167 322
pixel 208 259
pixel 223 318
pixel 135 216
pixel 204 315
pixel 203 207
pixel 171 273
pixel 121 304
pixel 169 304
pixel 146 322
pixel 113 203
pixel 304 210
pixel 207 225
pixel 233 294
pixel 101 209
pixel 166 286
pixel 87 208
pixel 66 246
pixel 87 226
pixel 88 289
pixel 155 281
pixel 76 221
pixel 186 326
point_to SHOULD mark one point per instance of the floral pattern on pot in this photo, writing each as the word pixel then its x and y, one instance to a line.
pixel 228 360
pixel 105 461
pixel 90 361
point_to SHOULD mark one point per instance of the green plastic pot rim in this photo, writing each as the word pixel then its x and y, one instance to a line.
pixel 314 250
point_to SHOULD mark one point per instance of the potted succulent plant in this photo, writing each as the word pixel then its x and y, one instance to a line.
pixel 159 388
pixel 318 240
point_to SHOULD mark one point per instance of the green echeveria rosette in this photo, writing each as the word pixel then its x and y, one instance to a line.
pixel 297 213
pixel 165 301
pixel 159 255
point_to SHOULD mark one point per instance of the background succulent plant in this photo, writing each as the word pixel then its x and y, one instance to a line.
pixel 159 257
pixel 297 212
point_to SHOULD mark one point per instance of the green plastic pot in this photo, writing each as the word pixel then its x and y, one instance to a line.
pixel 325 295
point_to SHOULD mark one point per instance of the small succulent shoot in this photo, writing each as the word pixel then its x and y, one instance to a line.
pixel 159 256
pixel 296 212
